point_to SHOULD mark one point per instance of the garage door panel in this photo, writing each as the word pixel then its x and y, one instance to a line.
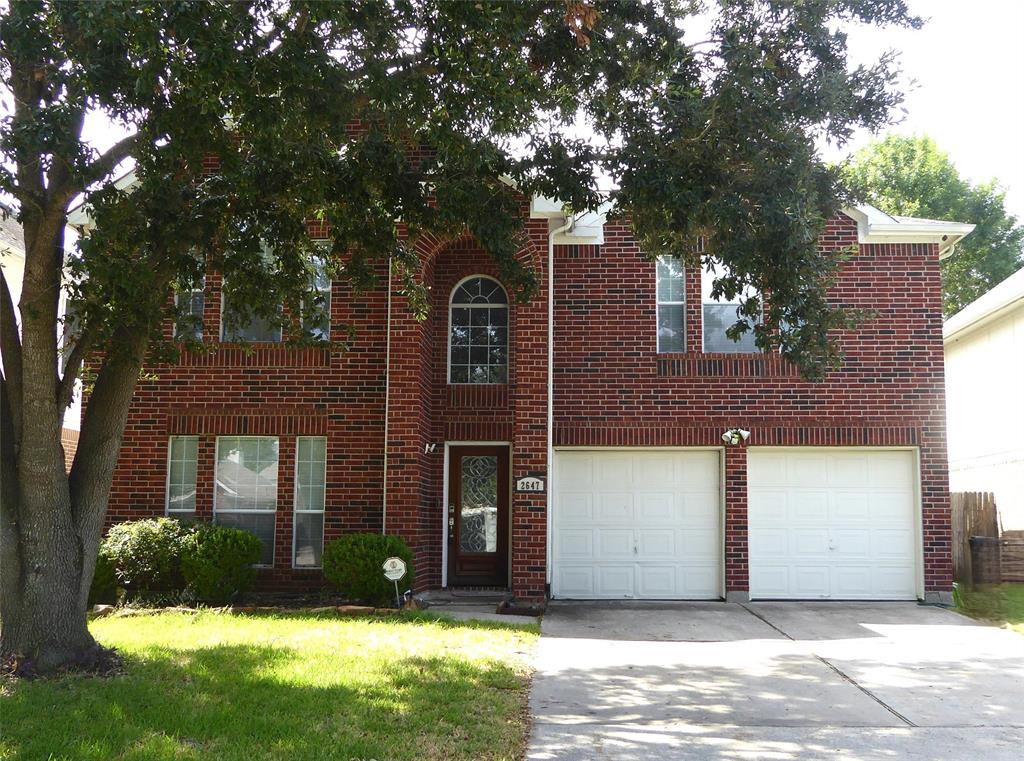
pixel 865 544
pixel 614 544
pixel 851 581
pixel 698 582
pixel 657 581
pixel 811 581
pixel 888 469
pixel 575 581
pixel 657 507
pixel 890 580
pixel 847 469
pixel 850 543
pixel 577 468
pixel 809 506
pixel 613 470
pixel 807 470
pixel 885 507
pixel 615 581
pixel 576 543
pixel 614 507
pixel 768 507
pixel 653 519
pixel 657 470
pixel 770 543
pixel 657 543
pixel 768 470
pixel 893 543
pixel 700 545
pixel 850 506
pixel 576 507
pixel 700 508
pixel 809 543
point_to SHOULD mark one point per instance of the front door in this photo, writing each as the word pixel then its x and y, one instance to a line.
pixel 478 492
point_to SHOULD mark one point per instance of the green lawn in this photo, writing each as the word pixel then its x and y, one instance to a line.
pixel 1002 604
pixel 246 688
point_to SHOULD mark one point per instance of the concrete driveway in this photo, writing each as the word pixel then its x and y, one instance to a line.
pixel 836 681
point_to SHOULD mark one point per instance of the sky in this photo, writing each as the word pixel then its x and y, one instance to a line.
pixel 968 63
pixel 963 79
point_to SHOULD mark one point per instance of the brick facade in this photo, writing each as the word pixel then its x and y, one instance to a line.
pixel 612 389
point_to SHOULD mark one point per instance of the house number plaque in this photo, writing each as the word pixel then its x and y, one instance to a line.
pixel 530 484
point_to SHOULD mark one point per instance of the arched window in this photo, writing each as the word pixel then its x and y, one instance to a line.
pixel 478 332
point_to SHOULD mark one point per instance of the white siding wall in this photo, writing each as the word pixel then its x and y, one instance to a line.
pixel 985 413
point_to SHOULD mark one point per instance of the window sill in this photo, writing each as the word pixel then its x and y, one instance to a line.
pixel 257 355
pixel 721 364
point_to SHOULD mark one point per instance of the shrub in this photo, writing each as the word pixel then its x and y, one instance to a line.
pixel 104 580
pixel 218 563
pixel 354 564
pixel 147 554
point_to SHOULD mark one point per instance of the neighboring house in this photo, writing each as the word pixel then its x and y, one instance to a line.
pixel 607 478
pixel 985 397
pixel 12 259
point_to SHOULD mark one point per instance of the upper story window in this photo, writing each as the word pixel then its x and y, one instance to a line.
pixel 478 332
pixel 721 314
pixel 190 303
pixel 671 304
pixel 316 308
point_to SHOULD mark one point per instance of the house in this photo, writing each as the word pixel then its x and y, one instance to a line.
pixel 573 447
pixel 984 345
pixel 12 260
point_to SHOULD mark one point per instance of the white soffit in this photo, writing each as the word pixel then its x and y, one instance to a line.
pixel 588 228
pixel 875 226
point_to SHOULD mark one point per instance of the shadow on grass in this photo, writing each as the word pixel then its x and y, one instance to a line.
pixel 246 703
pixel 405 617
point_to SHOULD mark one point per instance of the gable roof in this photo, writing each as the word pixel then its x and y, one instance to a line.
pixel 875 226
pixel 1006 296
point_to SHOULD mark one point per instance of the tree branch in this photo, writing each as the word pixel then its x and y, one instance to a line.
pixel 73 366
pixel 10 351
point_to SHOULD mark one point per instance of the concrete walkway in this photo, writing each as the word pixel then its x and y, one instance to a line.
pixel 836 681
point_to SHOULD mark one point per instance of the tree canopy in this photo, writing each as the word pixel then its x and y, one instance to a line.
pixel 912 176
pixel 387 120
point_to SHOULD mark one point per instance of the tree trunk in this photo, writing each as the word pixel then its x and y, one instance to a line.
pixel 42 557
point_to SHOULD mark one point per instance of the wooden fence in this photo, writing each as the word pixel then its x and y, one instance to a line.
pixel 974 514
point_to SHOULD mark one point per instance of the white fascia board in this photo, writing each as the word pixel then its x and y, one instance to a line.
pixel 1006 297
pixel 587 229
pixel 875 226
pixel 78 215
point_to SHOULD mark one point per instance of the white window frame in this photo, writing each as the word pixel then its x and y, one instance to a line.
pixel 216 468
pixel 201 289
pixel 746 294
pixel 508 319
pixel 659 303
pixel 295 503
pixel 167 484
pixel 326 292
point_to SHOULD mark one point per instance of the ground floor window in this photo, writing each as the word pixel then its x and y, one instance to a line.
pixel 182 456
pixel 310 480
pixel 245 487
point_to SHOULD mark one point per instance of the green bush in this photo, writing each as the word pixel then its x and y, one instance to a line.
pixel 104 580
pixel 218 563
pixel 147 554
pixel 354 564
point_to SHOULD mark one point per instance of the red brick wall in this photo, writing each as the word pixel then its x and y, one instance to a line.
pixel 611 389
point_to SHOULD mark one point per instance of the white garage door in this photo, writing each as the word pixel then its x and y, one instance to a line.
pixel 832 524
pixel 636 524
